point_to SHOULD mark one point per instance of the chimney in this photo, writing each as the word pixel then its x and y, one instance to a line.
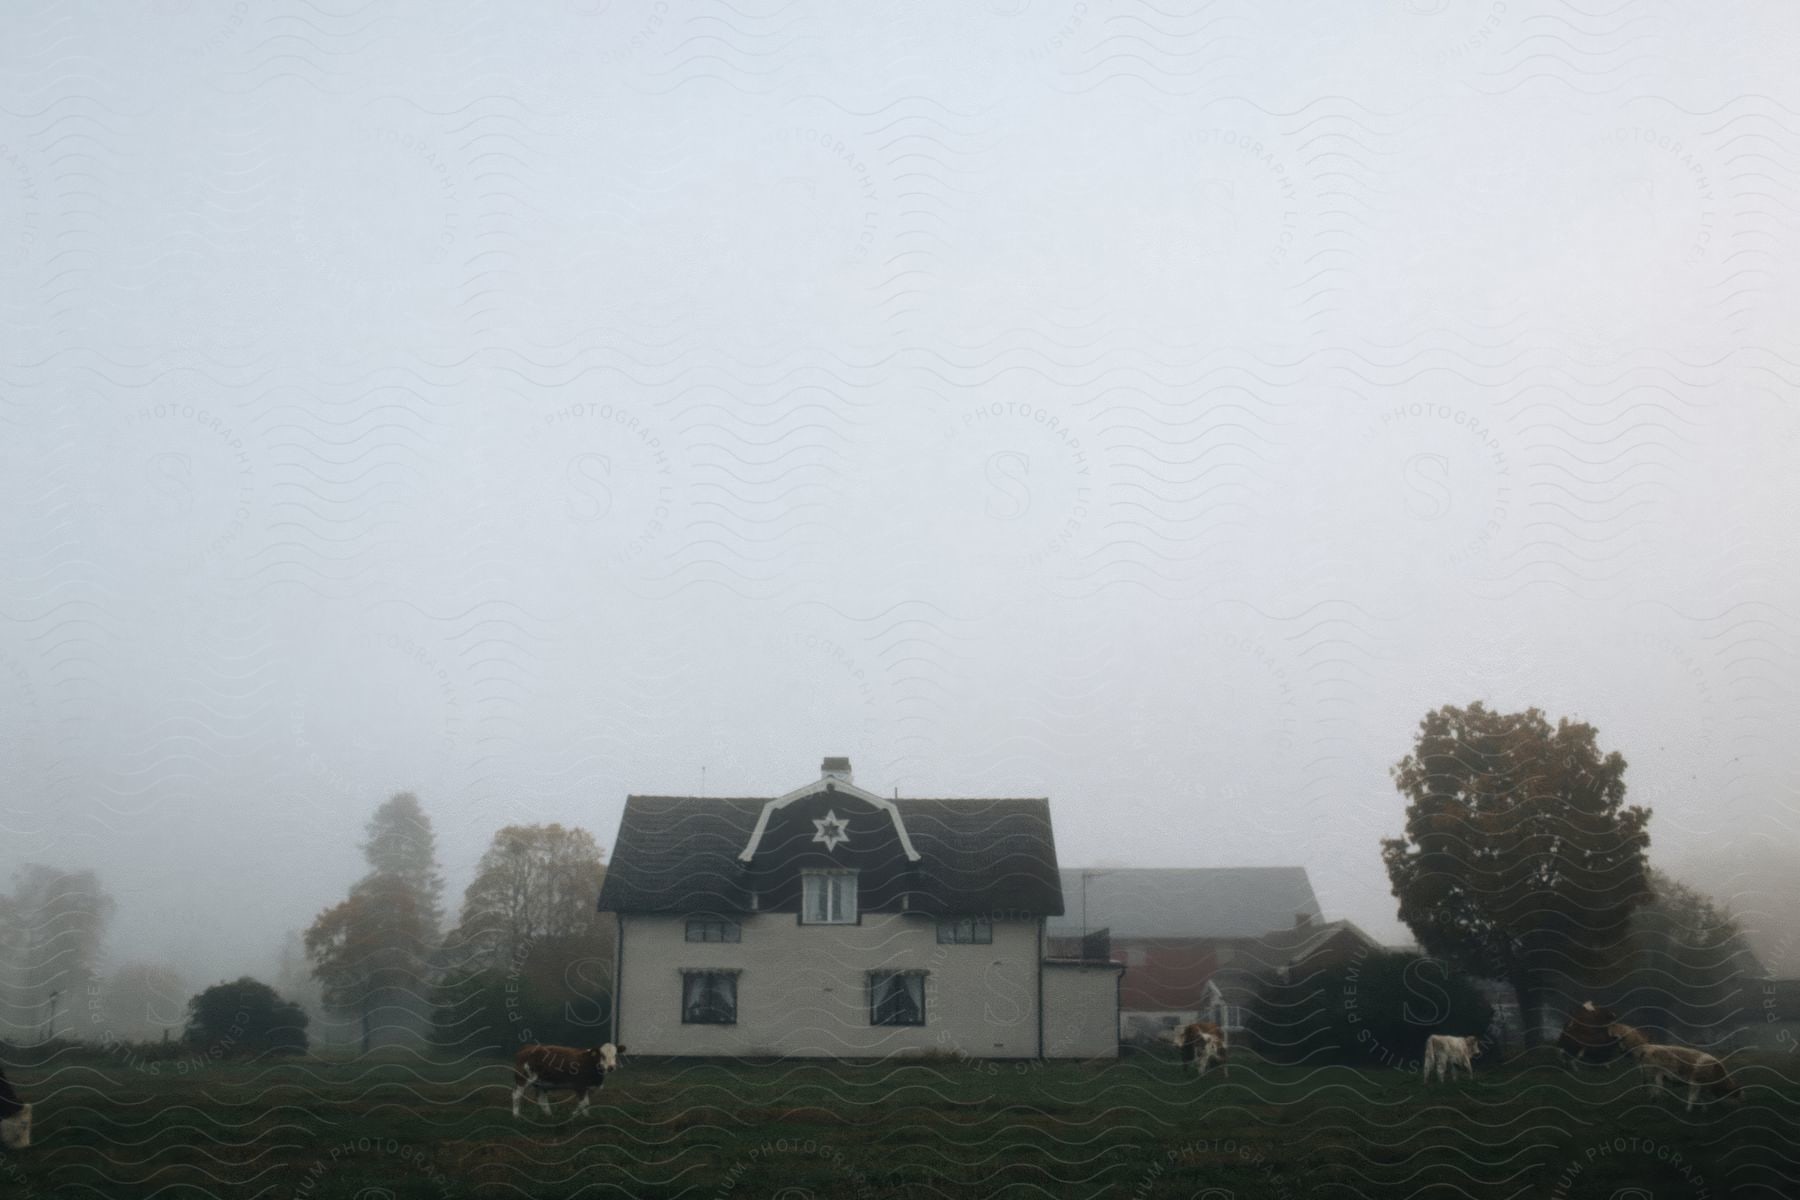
pixel 835 768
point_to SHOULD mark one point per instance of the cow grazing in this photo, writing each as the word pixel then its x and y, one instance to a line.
pixel 554 1068
pixel 1203 1043
pixel 1447 1053
pixel 1700 1071
pixel 1587 1039
pixel 1629 1039
pixel 15 1117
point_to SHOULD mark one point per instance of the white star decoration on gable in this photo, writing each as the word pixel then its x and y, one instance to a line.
pixel 832 830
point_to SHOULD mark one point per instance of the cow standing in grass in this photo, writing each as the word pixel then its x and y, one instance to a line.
pixel 554 1068
pixel 1202 1043
pixel 1587 1039
pixel 1697 1069
pixel 15 1117
pixel 1447 1053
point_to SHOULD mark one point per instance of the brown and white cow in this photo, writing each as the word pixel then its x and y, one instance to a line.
pixel 1202 1042
pixel 557 1068
pixel 1446 1053
pixel 1587 1039
pixel 15 1118
pixel 1697 1069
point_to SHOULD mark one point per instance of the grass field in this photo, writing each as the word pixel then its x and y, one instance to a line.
pixel 409 1127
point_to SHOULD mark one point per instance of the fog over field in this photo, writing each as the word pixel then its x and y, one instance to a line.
pixel 526 406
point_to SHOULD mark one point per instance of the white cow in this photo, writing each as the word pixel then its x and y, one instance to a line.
pixel 15 1117
pixel 1447 1053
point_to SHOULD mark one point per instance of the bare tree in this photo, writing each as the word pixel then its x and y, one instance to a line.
pixel 535 882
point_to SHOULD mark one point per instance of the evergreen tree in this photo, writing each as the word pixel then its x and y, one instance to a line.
pixel 373 953
pixel 402 847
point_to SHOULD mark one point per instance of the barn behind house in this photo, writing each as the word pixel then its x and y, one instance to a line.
pixel 1199 942
pixel 834 922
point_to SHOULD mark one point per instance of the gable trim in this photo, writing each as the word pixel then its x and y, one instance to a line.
pixel 817 787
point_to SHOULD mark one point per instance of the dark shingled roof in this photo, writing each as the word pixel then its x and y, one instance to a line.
pixel 680 854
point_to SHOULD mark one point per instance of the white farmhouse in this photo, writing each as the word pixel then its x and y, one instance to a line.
pixel 833 922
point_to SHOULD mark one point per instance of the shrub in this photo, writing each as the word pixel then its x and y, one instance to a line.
pixel 243 1017
pixel 490 1010
pixel 1375 1010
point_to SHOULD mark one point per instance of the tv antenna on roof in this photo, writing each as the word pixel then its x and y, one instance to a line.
pixel 1087 874
pixel 703 783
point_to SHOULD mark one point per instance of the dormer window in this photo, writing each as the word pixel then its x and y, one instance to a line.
pixel 828 898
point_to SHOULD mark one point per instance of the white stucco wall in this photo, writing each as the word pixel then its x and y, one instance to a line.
pixel 1081 1011
pixel 803 989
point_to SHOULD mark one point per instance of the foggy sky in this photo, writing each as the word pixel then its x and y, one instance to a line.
pixel 1157 412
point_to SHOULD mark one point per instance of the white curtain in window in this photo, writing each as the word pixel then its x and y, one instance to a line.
pixel 815 897
pixel 843 897
pixel 830 897
pixel 708 997
pixel 899 999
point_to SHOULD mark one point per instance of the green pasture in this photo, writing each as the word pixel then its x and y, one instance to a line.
pixel 409 1126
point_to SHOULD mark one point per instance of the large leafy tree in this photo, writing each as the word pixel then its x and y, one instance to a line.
pixel 1521 860
pixel 530 958
pixel 373 952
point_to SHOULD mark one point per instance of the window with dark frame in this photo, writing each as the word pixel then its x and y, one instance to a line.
pixel 965 931
pixel 713 929
pixel 896 997
pixel 709 997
